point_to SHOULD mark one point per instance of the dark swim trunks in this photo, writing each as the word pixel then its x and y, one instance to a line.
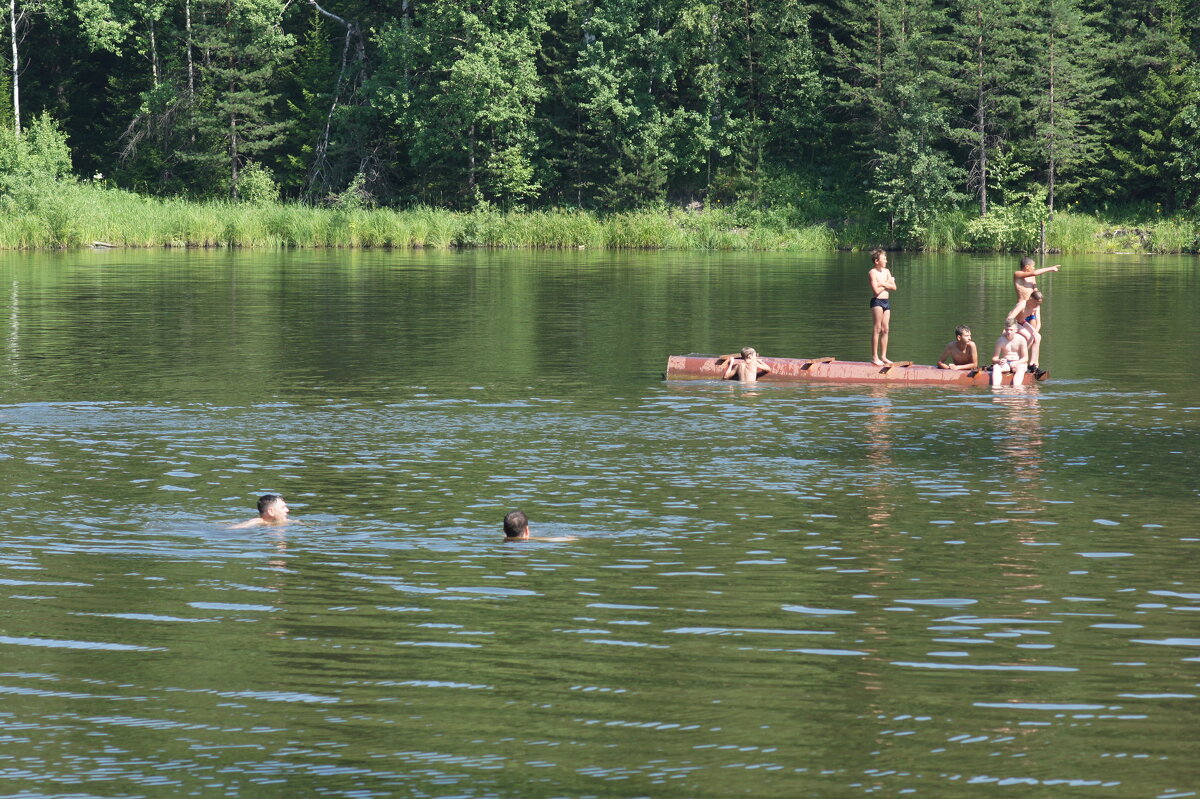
pixel 878 303
pixel 1031 317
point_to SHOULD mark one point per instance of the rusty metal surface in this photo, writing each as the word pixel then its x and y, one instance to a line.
pixel 705 367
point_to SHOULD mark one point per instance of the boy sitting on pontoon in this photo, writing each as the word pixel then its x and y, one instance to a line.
pixel 1011 355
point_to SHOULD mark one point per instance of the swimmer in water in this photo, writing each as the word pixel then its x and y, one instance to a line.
pixel 747 368
pixel 881 281
pixel 516 528
pixel 272 512
pixel 961 354
pixel 1010 355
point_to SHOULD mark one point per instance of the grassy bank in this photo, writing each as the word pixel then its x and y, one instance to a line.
pixel 81 214
pixel 76 215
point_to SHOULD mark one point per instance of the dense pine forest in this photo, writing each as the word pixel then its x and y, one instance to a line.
pixel 926 123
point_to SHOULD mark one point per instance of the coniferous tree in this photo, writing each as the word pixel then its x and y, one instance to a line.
pixel 243 43
pixel 1149 64
pixel 987 37
pixel 892 62
pixel 1064 108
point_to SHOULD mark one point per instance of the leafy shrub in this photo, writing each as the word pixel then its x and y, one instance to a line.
pixel 256 184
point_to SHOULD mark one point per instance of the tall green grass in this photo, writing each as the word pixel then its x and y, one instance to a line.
pixel 76 215
pixel 80 214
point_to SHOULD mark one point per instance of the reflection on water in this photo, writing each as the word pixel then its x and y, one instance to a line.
pixel 776 590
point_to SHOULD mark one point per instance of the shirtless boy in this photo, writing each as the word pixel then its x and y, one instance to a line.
pixel 747 368
pixel 882 282
pixel 1025 278
pixel 516 528
pixel 272 511
pixel 1029 324
pixel 961 354
pixel 1011 355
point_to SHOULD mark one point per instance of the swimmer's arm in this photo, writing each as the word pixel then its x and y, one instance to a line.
pixel 553 539
pixel 1018 311
pixel 245 524
pixel 877 284
pixel 763 369
pixel 996 352
pixel 730 368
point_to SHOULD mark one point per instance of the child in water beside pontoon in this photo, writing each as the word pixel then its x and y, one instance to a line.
pixel 746 368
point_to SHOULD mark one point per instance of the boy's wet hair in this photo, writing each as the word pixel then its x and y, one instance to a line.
pixel 748 351
pixel 266 500
pixel 515 523
pixel 1010 322
pixel 1036 294
pixel 1027 261
pixel 961 329
pixel 875 255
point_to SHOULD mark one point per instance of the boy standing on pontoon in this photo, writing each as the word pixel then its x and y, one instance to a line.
pixel 1025 278
pixel 882 282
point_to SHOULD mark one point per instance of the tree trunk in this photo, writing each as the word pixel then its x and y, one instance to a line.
pixel 12 23
pixel 980 101
pixel 471 160
pixel 153 53
pixel 233 157
pixel 1051 143
pixel 187 27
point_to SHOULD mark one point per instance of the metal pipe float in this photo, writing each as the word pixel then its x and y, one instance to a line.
pixel 708 367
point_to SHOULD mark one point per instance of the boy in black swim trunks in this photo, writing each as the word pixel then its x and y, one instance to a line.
pixel 1029 324
pixel 882 282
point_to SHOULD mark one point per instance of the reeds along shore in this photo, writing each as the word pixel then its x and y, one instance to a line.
pixel 77 215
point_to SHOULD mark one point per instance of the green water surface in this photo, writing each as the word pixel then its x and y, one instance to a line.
pixel 776 590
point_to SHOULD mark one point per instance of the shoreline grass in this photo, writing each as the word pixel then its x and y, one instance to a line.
pixel 76 215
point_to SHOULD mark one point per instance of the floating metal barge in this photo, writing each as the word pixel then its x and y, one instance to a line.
pixel 711 367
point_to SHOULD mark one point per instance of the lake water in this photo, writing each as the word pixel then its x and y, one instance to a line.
pixel 776 591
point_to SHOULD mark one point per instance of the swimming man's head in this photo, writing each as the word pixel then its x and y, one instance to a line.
pixel 516 524
pixel 272 506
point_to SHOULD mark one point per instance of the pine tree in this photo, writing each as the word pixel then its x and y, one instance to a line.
pixel 892 61
pixel 987 38
pixel 1149 63
pixel 1064 110
pixel 242 43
